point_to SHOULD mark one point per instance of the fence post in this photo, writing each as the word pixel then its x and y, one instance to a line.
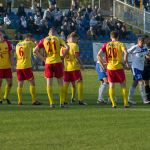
pixel 114 8
pixel 144 20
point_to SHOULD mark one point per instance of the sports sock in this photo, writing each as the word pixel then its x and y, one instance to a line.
pixel 147 91
pixel 125 96
pixel 112 96
pixel 61 94
pixel 65 92
pixel 19 93
pixel 101 91
pixel 131 92
pixel 7 91
pixel 0 94
pixel 50 94
pixel 80 90
pixel 73 92
pixel 33 93
pixel 142 92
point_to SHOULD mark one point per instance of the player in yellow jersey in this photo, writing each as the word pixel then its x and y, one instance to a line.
pixel 53 63
pixel 24 68
pixel 6 64
pixel 114 56
pixel 72 66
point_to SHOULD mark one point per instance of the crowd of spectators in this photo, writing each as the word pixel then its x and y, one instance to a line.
pixel 146 3
pixel 88 22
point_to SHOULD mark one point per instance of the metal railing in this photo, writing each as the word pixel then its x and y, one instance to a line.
pixel 135 17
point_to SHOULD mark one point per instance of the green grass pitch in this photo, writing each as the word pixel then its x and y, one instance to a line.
pixel 91 127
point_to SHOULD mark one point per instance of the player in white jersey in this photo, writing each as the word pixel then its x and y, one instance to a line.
pixel 138 53
pixel 102 77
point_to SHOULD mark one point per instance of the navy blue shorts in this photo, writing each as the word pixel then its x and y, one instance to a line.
pixel 101 73
pixel 137 74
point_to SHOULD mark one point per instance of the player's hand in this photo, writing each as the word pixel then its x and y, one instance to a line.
pixel 127 66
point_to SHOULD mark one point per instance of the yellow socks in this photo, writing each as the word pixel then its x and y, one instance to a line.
pixel 61 94
pixel 33 93
pixel 50 94
pixel 80 90
pixel 112 96
pixel 19 93
pixel 73 92
pixel 125 96
pixel 7 91
pixel 0 94
pixel 66 92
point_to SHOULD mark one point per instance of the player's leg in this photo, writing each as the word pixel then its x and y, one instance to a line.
pixel 142 92
pixel 1 98
pixel 61 91
pixel 73 92
pixel 147 89
pixel 33 93
pixel 7 89
pixel 50 91
pixel 66 85
pixel 124 93
pixel 132 91
pixel 19 91
pixel 58 73
pixel 112 93
pixel 102 89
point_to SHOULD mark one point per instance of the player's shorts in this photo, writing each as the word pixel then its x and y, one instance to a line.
pixel 25 74
pixel 54 70
pixel 137 74
pixel 71 76
pixel 146 73
pixel 116 76
pixel 101 73
pixel 5 73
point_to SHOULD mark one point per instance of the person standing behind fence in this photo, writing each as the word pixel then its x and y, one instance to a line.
pixel 114 58
pixel 53 63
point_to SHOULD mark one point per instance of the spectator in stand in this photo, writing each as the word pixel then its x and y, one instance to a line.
pixel 2 10
pixel 8 7
pixel 62 35
pixel 48 13
pixel 7 21
pixel 31 25
pixel 21 11
pixel 91 34
pixel 38 9
pixel 23 24
pixel 93 22
pixel 52 2
pixel 44 27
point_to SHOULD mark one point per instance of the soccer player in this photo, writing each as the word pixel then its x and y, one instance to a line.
pixel 6 66
pixel 53 63
pixel 114 50
pixel 72 66
pixel 146 71
pixel 102 77
pixel 24 68
pixel 138 52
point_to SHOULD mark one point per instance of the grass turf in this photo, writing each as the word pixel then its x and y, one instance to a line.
pixel 91 127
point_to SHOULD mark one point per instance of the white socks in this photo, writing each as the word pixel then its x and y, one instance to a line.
pixel 102 90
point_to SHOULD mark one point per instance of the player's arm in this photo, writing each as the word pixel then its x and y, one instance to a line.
pixel 66 47
pixel 11 55
pixel 77 55
pixel 126 57
pixel 101 60
pixel 36 51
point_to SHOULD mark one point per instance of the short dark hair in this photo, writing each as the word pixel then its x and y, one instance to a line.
pixel 74 35
pixel 28 35
pixel 114 34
